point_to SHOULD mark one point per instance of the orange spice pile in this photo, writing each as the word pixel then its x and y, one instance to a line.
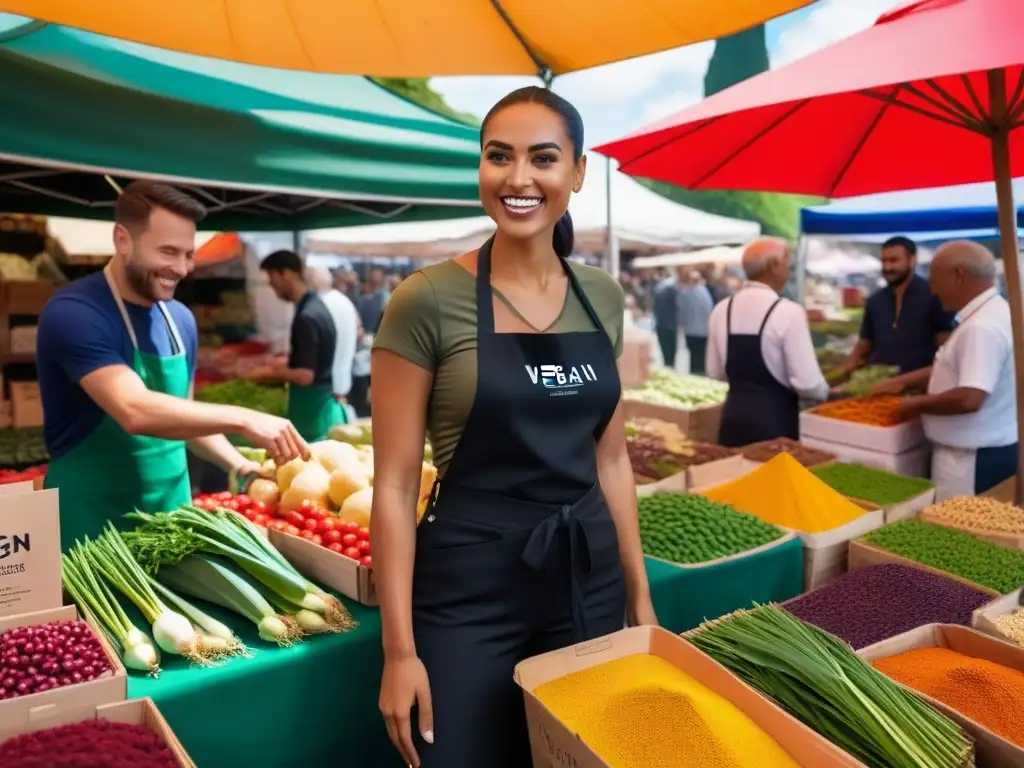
pixel 881 411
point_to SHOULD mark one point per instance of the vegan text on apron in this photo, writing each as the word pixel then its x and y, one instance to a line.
pixel 758 407
pixel 112 472
pixel 518 552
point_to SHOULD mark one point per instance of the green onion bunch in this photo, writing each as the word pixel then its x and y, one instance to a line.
pixel 819 680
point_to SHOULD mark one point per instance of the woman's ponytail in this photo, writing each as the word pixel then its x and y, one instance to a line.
pixel 564 237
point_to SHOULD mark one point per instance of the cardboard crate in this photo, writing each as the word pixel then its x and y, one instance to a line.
pixel 863 555
pixel 29 549
pixel 700 424
pixel 676 483
pixel 717 472
pixel 826 554
pixel 325 567
pixel 989 748
pixel 554 746
pixel 1008 540
pixel 1005 491
pixel 892 440
pixel 913 463
pixel 827 457
pixel 133 712
pixel 26 404
pixel 983 619
pixel 910 507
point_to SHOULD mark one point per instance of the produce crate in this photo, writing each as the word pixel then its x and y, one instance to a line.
pixel 910 507
pixel 89 694
pixel 676 483
pixel 863 554
pixel 786 537
pixel 700 424
pixel 325 567
pixel 915 462
pixel 826 554
pixel 132 712
pixel 26 404
pixel 554 746
pixel 984 618
pixel 1005 491
pixel 989 749
pixel 891 440
pixel 1008 540
pixel 751 452
pixel 716 472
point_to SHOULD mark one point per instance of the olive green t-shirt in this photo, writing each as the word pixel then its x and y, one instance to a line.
pixel 431 322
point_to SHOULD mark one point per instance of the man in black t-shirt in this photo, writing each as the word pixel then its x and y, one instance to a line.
pixel 312 407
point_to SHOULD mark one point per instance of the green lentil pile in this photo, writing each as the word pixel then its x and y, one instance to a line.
pixel 873 485
pixel 689 529
pixel 953 551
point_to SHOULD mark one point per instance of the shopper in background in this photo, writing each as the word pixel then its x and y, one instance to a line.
pixel 116 360
pixel 665 308
pixel 970 411
pixel 761 344
pixel 904 323
pixel 374 300
pixel 346 324
pixel 309 368
pixel 695 305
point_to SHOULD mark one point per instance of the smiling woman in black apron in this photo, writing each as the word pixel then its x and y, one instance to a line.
pixel 507 358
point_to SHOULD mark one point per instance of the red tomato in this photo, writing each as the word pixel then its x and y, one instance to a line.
pixel 295 518
pixel 306 507
pixel 306 534
pixel 349 527
pixel 335 547
pixel 197 500
pixel 363 546
pixel 349 539
pixel 317 539
pixel 366 561
pixel 222 496
pixel 352 552
pixel 329 523
pixel 293 530
pixel 249 514
pixel 243 501
pixel 310 524
pixel 257 506
pixel 317 513
pixel 333 536
pixel 260 519
pixel 324 526
pixel 230 504
pixel 363 534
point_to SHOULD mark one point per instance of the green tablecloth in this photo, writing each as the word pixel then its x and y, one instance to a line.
pixel 316 704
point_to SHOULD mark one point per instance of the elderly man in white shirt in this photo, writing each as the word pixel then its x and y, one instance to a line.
pixel 970 411
pixel 346 322
pixel 760 343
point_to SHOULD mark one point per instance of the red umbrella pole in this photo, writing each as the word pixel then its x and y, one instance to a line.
pixel 1009 246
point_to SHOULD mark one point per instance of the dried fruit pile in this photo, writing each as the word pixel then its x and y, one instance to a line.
pixel 90 743
pixel 868 605
pixel 47 656
pixel 768 450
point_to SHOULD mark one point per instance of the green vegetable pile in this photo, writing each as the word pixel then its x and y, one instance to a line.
pixel 688 529
pixel 864 379
pixel 22 446
pixel 668 388
pixel 246 394
pixel 953 551
pixel 874 485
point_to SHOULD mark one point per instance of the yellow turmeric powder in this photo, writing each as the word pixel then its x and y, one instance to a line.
pixel 784 492
pixel 640 711
pixel 988 693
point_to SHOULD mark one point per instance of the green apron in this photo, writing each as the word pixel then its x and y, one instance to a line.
pixel 313 411
pixel 112 472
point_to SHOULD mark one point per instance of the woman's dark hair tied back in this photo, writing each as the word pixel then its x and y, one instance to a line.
pixel 564 237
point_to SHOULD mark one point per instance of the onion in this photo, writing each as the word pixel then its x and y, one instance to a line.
pixel 312 622
pixel 142 656
pixel 175 634
pixel 265 491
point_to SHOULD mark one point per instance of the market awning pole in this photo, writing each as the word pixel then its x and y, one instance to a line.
pixel 1009 246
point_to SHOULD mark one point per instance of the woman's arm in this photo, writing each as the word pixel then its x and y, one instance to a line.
pixel 400 392
pixel 615 473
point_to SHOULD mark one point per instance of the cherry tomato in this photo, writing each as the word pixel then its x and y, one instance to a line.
pixel 366 561
pixel 333 536
pixel 335 547
pixel 275 524
pixel 295 518
pixel 352 552
pixel 243 501
pixel 230 504
pixel 197 500
pixel 324 526
pixel 306 534
pixel 258 507
pixel 260 519
pixel 363 546
pixel 349 539
pixel 249 514
pixel 317 513
pixel 349 527
pixel 363 534
pixel 317 539
pixel 293 530
pixel 310 524
pixel 329 523
pixel 222 496
pixel 306 507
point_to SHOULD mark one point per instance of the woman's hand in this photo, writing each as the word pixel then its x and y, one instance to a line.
pixel 640 613
pixel 404 684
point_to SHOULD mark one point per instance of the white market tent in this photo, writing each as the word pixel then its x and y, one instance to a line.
pixel 642 220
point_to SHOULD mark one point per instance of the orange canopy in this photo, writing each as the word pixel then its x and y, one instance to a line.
pixel 412 38
pixel 221 247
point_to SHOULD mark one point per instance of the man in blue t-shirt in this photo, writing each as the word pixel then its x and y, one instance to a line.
pixel 116 359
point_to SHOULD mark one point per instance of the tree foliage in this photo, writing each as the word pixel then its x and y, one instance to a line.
pixel 418 90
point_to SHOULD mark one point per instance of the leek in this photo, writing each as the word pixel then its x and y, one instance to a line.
pixel 822 682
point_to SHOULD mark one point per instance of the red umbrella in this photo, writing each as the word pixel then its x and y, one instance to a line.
pixel 931 95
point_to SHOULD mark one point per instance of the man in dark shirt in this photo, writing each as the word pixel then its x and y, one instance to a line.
pixel 312 407
pixel 666 318
pixel 904 323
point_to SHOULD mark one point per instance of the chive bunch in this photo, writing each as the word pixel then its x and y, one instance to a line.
pixel 817 678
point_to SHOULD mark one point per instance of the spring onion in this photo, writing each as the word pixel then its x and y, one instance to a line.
pixel 215 638
pixel 173 632
pixel 819 680
pixel 100 608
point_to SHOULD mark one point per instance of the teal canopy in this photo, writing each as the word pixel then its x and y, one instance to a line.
pixel 265 149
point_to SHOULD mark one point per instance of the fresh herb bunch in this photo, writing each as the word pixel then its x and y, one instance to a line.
pixel 873 485
pixel 685 528
pixel 953 551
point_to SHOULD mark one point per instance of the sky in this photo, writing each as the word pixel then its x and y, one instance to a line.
pixel 619 98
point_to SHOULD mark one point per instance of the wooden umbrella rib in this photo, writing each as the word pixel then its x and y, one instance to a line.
pixel 959 106
pixel 969 87
pixel 955 121
pixel 860 145
pixel 956 111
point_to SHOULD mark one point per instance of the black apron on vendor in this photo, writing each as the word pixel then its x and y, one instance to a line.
pixel 758 407
pixel 518 553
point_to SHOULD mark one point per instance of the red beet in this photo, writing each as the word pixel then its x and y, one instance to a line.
pixel 92 744
pixel 46 656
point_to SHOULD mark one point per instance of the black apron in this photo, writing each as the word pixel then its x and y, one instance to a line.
pixel 757 407
pixel 518 553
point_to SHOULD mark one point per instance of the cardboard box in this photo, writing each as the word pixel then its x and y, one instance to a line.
pixel 989 748
pixel 983 619
pixel 29 549
pixel 1008 540
pixel 892 440
pixel 749 451
pixel 554 746
pixel 826 554
pixel 717 472
pixel 635 360
pixel 79 696
pixel 863 555
pixel 700 424
pixel 913 463
pixel 133 712
pixel 1005 491
pixel 676 483
pixel 27 404
pixel 910 507
pixel 327 568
